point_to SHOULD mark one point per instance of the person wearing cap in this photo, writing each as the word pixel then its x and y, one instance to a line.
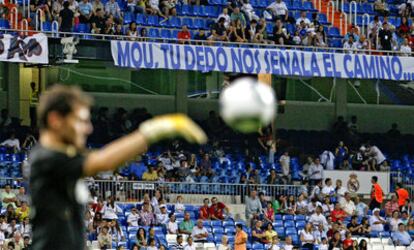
pixel 377 195
pixel 376 221
pixel 133 217
pixel 162 217
pixel 402 194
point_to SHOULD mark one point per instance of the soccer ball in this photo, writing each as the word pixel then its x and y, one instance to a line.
pixel 247 105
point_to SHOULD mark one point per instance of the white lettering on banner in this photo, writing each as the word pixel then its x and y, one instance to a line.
pixel 143 186
pixel 274 61
pixel 359 181
pixel 30 49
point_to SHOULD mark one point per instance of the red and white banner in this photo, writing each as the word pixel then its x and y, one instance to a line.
pixel 30 49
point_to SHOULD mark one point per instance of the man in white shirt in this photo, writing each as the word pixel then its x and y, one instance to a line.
pixel 317 191
pixel 133 217
pixel 279 10
pixel 348 205
pixel 328 189
pixel 12 143
pixel 248 10
pixel 199 232
pixel 162 217
pixel 225 15
pixel 376 221
pixel 315 171
pixel 318 218
pixel 303 18
pixel 375 157
pixel 405 48
pixel 8 197
pixel 285 163
pixel 328 160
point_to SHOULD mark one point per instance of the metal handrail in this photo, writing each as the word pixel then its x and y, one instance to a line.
pixel 24 24
pixel 37 17
pixel 200 42
pixel 343 18
pixel 332 5
pixel 317 3
pixel 353 4
pixel 365 22
pixel 55 29
pixel 14 17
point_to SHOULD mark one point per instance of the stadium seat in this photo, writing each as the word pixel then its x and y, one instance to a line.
pixel 333 32
pixel 140 19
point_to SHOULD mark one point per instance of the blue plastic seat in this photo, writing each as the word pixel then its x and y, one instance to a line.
pixel 128 17
pixel 202 11
pixel 153 33
pixel 216 223
pixel 4 24
pixel 196 10
pixel 308 6
pixel 218 230
pixel 290 223
pixel 288 217
pixel 229 230
pixel 323 19
pixel 291 231
pixel 47 26
pixel 153 20
pixel 174 22
pixel 199 23
pixel 333 32
pixel 185 10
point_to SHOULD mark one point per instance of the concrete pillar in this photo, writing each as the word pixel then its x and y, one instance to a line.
pixel 341 97
pixel 212 84
pixel 12 79
pixel 181 88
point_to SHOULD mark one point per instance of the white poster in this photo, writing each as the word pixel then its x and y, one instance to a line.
pixel 359 181
pixel 30 49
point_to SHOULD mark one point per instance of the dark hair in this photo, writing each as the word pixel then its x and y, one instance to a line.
pixel 66 4
pixel 179 236
pixel 239 226
pixel 60 99
pixel 326 180
pixel 375 178
pixel 399 185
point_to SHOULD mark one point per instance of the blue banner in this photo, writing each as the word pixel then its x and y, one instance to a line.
pixel 146 55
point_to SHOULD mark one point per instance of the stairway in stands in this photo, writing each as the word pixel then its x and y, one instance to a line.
pixel 337 15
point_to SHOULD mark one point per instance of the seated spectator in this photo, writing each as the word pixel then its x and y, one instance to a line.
pixel 306 237
pixel 336 242
pixel 204 211
pixel 236 33
pixel 279 10
pixel 150 174
pixel 361 207
pixel 394 221
pixel 253 206
pixel 224 245
pixel 366 227
pixel 179 205
pixel 401 237
pixel 391 206
pixel 172 226
pixel 303 18
pixel 405 48
pixel 98 22
pixel 381 7
pixel 314 204
pixel 179 245
pixel 118 31
pixel 12 142
pixel 22 212
pixel 217 209
pixel 318 218
pixel 200 36
pixel 349 45
pixel 110 209
pixel 321 38
pixel 147 217
pixel 354 227
pixel 112 9
pixel 8 197
pixel 132 32
pixel 16 240
pixel 184 36
pixel 376 221
pixel 25 227
pixel 327 206
pixel 270 232
pixel 348 205
pixel 269 213
pixel 238 16
pixel 186 226
pixel 258 235
pixel 190 244
pixel 162 217
pixel 85 11
pixel 199 232
pixel 328 189
pixel 155 9
pixel 338 214
pixel 141 238
pixel 133 217
pixel 169 8
pixel 348 243
pixel 226 17
pixel 105 239
pixel 152 244
pixel 248 10
pixel 302 205
pixel 280 35
pixel 320 234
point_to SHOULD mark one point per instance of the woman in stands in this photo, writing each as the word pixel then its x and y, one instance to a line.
pixel 270 233
pixel 366 228
pixel 172 226
pixel 321 38
pixel 394 221
pixel 116 231
pixel 132 31
pixel 269 213
pixel 327 206
pixel 363 245
pixel 141 238
pixel 291 205
pixel 307 238
pixel 110 210
pixel 335 242
pixel 302 205
pixel 410 225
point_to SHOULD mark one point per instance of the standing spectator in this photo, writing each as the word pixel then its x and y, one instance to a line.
pixel 110 209
pixel 391 206
pixel 85 11
pixel 253 206
pixel 315 172
pixel 112 9
pixel 98 22
pixel 133 217
pixel 280 35
pixel 307 238
pixel 199 232
pixel 172 227
pixel 217 209
pixel 240 238
pixel 104 238
pixel 284 161
pixel 385 37
pixel 204 213
pixel 184 35
pixel 186 226
pixel 279 10
pixel 225 15
pixel 402 194
pixel 97 4
pixel 237 15
pixel 248 10
pixel 376 194
pixel 375 157
pixel 376 221
pixel 8 197
pixel 402 237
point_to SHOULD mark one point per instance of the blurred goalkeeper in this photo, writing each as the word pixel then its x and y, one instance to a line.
pixel 59 162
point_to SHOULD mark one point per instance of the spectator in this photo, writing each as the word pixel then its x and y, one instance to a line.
pixel 402 194
pixel 253 34
pixel 361 207
pixel 155 9
pixel 226 17
pixel 152 244
pixel 318 218
pixel 22 212
pixel 348 205
pixel 270 232
pixel 169 8
pixel 186 226
pixel 405 48
pixel 147 217
pixel 391 206
pixel 381 7
pixel 25 227
pixel 240 238
pixel 317 191
pixel 285 164
pixel 272 179
pixel 98 22
pixel 57 6
pixel 280 35
pixel 143 35
pixel 162 217
pixel 97 4
pixel 307 238
pixel 150 174
pixel 179 205
pixel 184 35
pixel 248 10
pixel 349 45
pixel 354 227
pixel 335 242
pixel 319 234
pixel 141 238
pixel 385 36
pixel 340 191
pixel 85 11
pixel 16 240
pixel 172 226
pixel 316 172
pixel 258 235
pixel 315 20
pixel 133 35
pixel 179 245
pixel 12 142
pixel 376 221
pixel 133 217
pixel 237 15
pixel 218 31
pixel 269 213
pixel 237 33
pixel 199 232
pixel 303 18
pixel 375 157
pixel 190 244
pixel 200 36
pixel 253 206
pixel 376 194
pixel 110 210
pixel 224 244
pixel 288 243
pixel 328 189
pixel 22 196
pixel 301 204
pixel 112 9
pixel 279 10
pixel 402 237
pixel 8 197
pixel 338 215
pixel 321 38
pixel 348 243
pixel 366 227
pixel 327 206
pixel 105 239
pixel 204 211
pixel 217 209
pixel 394 221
